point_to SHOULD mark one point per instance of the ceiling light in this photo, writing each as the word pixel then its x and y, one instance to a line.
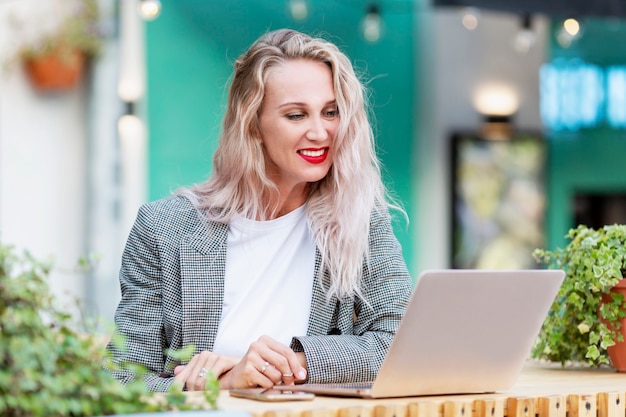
pixel 525 38
pixel 149 9
pixel 569 32
pixel 496 99
pixel 571 26
pixel 371 25
pixel 298 9
pixel 470 18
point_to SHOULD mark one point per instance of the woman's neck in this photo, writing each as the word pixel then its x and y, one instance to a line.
pixel 288 202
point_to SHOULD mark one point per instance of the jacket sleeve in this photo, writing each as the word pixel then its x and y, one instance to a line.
pixel 138 317
pixel 365 326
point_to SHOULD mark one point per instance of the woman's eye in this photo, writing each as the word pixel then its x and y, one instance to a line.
pixel 295 116
pixel 332 113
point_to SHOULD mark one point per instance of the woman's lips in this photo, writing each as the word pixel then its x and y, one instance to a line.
pixel 314 156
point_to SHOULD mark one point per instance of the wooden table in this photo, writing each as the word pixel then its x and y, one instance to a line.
pixel 541 391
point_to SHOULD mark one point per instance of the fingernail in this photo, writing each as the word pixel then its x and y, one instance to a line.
pixel 301 374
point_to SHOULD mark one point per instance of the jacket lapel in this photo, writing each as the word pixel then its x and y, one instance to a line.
pixel 322 309
pixel 202 270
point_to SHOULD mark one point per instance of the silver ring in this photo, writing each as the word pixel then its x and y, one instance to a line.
pixel 203 372
pixel 289 375
pixel 265 365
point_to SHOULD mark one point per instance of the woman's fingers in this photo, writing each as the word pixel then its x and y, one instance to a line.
pixel 190 376
pixel 277 376
pixel 267 363
pixel 288 379
pixel 289 363
pixel 201 367
pixel 279 363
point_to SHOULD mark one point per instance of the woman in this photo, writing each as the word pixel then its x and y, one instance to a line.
pixel 282 266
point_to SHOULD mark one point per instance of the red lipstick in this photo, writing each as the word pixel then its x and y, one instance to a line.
pixel 314 156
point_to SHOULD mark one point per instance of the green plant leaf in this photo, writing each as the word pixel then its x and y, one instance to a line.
pixel 580 326
pixel 49 369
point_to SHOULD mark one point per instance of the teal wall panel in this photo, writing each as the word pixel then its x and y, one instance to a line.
pixel 186 77
pixel 190 51
pixel 589 160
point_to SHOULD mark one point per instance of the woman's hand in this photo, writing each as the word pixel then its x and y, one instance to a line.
pixel 266 363
pixel 193 376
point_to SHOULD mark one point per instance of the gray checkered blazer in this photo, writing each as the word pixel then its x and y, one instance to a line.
pixel 172 283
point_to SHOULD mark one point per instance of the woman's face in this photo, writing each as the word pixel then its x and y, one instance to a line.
pixel 298 121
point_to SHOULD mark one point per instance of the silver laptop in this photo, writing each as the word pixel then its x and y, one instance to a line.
pixel 464 331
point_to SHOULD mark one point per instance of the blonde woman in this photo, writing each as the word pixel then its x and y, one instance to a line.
pixel 282 266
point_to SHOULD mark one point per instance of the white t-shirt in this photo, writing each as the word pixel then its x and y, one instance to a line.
pixel 269 282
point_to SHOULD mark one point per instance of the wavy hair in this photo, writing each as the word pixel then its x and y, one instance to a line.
pixel 340 205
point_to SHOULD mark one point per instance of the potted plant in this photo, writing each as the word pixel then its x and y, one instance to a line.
pixel 586 321
pixel 47 368
pixel 57 59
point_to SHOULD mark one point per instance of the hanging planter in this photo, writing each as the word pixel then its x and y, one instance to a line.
pixel 57 60
pixel 59 69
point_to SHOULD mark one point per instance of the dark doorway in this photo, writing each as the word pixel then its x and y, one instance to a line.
pixel 599 209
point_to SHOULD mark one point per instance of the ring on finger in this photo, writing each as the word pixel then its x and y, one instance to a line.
pixel 289 375
pixel 203 372
pixel 264 367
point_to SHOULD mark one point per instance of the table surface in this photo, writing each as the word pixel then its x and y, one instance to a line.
pixel 543 390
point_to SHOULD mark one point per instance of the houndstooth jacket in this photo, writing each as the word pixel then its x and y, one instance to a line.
pixel 172 284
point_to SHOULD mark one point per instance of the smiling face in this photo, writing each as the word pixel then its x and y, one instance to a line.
pixel 298 122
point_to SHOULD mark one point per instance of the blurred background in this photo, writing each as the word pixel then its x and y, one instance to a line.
pixel 499 126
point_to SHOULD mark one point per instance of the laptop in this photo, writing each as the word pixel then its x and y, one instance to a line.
pixel 464 332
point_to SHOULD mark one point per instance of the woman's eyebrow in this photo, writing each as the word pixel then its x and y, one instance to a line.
pixel 302 104
pixel 292 103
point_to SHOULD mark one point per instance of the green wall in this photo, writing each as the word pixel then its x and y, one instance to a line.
pixel 190 50
pixel 591 159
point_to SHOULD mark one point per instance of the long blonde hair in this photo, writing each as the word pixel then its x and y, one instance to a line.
pixel 340 205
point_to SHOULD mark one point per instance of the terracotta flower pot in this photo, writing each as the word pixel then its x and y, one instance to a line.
pixel 617 352
pixel 56 71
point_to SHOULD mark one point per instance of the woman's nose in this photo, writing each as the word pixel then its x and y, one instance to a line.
pixel 317 130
